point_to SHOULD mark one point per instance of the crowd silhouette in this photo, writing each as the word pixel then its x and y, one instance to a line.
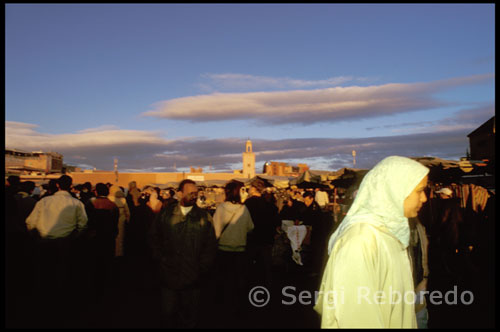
pixel 106 274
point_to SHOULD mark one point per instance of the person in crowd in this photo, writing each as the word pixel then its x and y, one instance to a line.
pixel 18 246
pixel 321 197
pixel 154 202
pixel 243 194
pixel 117 196
pixel 232 222
pixel 312 215
pixel 446 259
pixel 133 195
pixel 134 238
pixel 169 198
pixel 202 199
pixel 291 210
pixel 149 206
pixel 311 211
pixel 12 185
pixel 368 252
pixel 86 193
pixel 103 217
pixel 26 203
pixel 182 240
pixel 52 188
pixel 261 239
pixel 57 219
pixel 418 248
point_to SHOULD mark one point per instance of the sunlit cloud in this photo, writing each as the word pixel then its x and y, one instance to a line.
pixel 312 106
pixel 25 136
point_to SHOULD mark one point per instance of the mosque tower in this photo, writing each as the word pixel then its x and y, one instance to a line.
pixel 248 161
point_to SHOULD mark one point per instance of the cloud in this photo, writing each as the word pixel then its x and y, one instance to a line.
pixel 145 151
pixel 311 106
pixel 465 119
pixel 24 135
pixel 232 82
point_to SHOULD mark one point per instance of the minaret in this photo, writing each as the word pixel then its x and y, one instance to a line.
pixel 248 161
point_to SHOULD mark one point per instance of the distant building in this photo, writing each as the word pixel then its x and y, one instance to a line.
pixel 22 162
pixel 284 169
pixel 248 161
pixel 482 141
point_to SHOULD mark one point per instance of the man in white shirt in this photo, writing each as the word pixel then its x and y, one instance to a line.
pixel 58 215
pixel 55 218
pixel 321 198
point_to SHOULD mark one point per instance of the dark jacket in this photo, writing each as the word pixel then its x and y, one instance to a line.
pixel 103 217
pixel 265 219
pixel 184 246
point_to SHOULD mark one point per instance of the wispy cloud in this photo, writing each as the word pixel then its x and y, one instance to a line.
pixel 232 82
pixel 465 119
pixel 311 106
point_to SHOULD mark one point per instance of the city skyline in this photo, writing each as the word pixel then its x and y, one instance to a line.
pixel 163 85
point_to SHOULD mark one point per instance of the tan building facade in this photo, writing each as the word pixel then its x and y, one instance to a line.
pixel 275 168
pixel 22 162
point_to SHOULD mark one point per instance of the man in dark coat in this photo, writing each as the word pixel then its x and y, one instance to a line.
pixel 182 240
pixel 261 239
pixel 103 228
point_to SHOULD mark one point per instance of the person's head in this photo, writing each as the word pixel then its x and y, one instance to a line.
pixel 154 192
pixel 132 185
pixel 64 182
pixel 101 189
pixel 188 192
pixel 308 198
pixel 232 191
pixel 257 187
pixel 52 186
pixel 392 190
pixel 27 187
pixel 13 180
pixel 171 193
pixel 87 187
pixel 116 191
pixel 416 199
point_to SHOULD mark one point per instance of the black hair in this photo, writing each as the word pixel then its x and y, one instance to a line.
pixel 184 182
pixel 27 186
pixel 101 189
pixel 232 191
pixel 64 182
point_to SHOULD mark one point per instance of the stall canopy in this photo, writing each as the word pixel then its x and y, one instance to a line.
pixel 347 177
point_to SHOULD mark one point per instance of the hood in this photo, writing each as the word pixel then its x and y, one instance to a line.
pixel 381 195
pixel 228 210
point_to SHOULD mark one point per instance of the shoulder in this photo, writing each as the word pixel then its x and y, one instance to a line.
pixel 360 236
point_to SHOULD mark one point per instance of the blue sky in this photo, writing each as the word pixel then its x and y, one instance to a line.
pixel 164 85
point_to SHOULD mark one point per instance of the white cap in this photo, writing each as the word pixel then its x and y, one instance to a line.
pixel 446 191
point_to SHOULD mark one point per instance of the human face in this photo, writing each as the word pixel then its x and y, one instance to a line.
pixel 189 194
pixel 308 201
pixel 415 200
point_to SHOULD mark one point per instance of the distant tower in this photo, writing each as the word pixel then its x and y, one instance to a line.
pixel 116 169
pixel 248 161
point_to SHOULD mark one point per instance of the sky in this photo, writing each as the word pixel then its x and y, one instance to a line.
pixel 166 87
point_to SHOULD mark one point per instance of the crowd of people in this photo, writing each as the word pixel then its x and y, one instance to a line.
pixel 67 244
